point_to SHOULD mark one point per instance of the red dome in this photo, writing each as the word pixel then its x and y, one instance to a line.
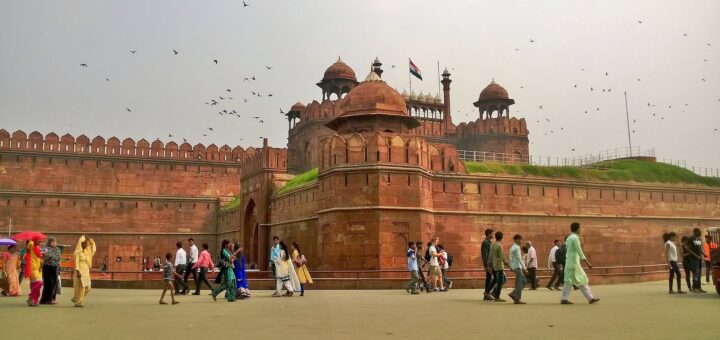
pixel 297 107
pixel 493 91
pixel 373 96
pixel 339 70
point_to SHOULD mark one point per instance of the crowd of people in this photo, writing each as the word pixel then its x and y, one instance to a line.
pixel 42 267
pixel 288 265
pixel 565 260
pixel 694 253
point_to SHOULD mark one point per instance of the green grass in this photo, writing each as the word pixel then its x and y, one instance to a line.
pixel 300 179
pixel 236 202
pixel 621 171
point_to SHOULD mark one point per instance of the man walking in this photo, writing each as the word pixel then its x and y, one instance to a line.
pixel 274 253
pixel 695 248
pixel 435 265
pixel 498 262
pixel 413 268
pixel 485 252
pixel 190 267
pixel 180 266
pixel 555 266
pixel 518 267
pixel 532 265
pixel 574 274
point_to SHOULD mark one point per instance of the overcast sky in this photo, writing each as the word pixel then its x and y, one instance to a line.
pixel 677 45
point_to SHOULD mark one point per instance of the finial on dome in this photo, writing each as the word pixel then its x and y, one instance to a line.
pixel 493 81
pixel 339 60
pixel 372 76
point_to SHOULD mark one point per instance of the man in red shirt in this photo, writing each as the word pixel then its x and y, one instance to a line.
pixel 707 247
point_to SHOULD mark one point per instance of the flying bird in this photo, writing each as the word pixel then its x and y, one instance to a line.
pixel 393 66
pixel 261 121
pixel 281 111
pixel 268 67
pixel 532 41
pixel 221 98
pixel 639 21
pixel 211 129
pixel 256 117
pixel 170 135
pixel 128 109
pixel 133 52
pixel 253 77
pixel 215 61
pixel 228 90
pixel 246 79
pixel 540 107
pixel 606 73
pixel 107 79
pixel 176 52
pixel 245 4
pixel 83 65
pixel 184 140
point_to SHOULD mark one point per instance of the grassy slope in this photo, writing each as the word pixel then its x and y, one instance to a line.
pixel 623 171
pixel 299 180
pixel 236 202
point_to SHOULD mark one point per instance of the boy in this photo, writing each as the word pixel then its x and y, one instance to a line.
pixel 168 276
pixel 413 268
pixel 435 275
pixel 498 262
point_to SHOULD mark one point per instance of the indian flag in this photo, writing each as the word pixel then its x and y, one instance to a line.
pixel 414 70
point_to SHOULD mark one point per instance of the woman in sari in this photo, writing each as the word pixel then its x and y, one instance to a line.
pixel 12 263
pixel 228 274
pixel 300 262
pixel 33 265
pixel 240 275
pixel 285 274
pixel 84 252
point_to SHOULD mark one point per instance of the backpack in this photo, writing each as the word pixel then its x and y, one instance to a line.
pixel 427 255
pixel 560 254
pixel 450 260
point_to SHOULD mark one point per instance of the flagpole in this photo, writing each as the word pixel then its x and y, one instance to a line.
pixel 409 76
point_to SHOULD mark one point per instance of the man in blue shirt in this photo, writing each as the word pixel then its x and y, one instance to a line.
pixel 413 268
pixel 274 253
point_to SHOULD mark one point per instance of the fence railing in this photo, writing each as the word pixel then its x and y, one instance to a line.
pixel 600 160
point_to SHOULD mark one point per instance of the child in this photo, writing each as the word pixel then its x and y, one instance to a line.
pixel 168 276
pixel 672 257
pixel 413 268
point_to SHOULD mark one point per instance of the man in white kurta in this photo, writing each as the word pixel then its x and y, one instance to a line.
pixel 574 274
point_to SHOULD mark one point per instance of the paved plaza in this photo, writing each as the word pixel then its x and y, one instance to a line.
pixel 630 311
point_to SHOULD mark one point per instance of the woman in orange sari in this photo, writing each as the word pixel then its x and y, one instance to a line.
pixel 12 263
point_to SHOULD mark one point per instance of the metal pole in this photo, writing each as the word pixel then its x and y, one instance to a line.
pixel 627 115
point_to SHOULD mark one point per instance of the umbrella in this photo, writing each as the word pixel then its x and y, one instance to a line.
pixel 29 235
pixel 7 242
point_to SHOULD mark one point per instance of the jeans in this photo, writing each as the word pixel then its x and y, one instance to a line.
pixel 557 275
pixel 499 282
pixel 413 281
pixel 188 271
pixel 696 267
pixel 421 275
pixel 674 270
pixel 489 281
pixel 519 283
pixel 202 278
pixel 532 277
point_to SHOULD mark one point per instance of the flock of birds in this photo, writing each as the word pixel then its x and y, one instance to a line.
pixel 654 110
pixel 225 104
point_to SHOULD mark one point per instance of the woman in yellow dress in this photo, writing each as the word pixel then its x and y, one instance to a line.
pixel 300 267
pixel 33 266
pixel 84 252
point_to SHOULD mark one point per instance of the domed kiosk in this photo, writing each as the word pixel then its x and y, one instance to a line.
pixel 494 98
pixel 338 79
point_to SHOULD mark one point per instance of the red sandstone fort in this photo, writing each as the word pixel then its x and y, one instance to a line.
pixel 388 173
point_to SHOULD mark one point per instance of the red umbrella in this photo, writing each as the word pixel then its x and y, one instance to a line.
pixel 29 235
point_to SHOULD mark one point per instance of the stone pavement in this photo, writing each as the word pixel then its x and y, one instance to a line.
pixel 628 311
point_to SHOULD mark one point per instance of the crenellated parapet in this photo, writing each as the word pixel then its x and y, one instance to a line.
pixel 265 158
pixel 388 148
pixel 501 125
pixel 113 146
